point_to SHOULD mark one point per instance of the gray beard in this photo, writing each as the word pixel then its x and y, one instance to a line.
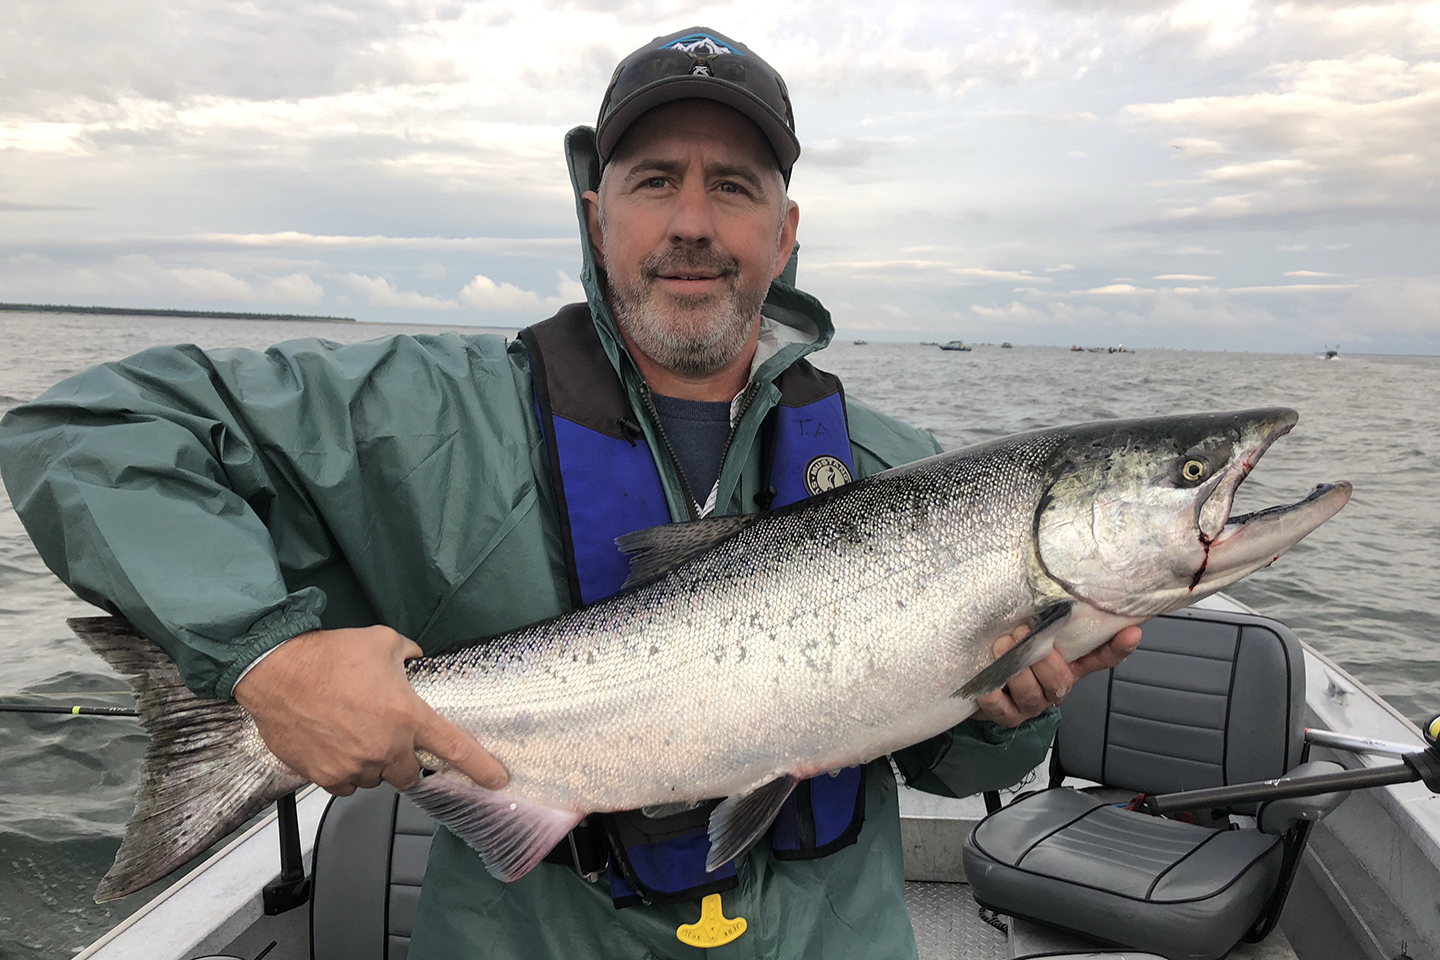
pixel 702 334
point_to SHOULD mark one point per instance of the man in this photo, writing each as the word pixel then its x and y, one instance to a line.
pixel 292 526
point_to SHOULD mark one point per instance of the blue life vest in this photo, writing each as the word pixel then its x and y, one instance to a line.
pixel 606 484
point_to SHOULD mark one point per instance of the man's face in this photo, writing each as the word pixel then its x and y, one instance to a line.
pixel 692 227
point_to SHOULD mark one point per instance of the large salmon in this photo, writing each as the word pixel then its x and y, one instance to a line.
pixel 749 652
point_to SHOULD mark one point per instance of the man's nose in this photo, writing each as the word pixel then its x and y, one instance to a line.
pixel 691 219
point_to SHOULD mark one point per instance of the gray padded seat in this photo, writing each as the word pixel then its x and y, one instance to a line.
pixel 1064 858
pixel 370 857
pixel 1208 699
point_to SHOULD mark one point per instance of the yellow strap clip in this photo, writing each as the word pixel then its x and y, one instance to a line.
pixel 712 929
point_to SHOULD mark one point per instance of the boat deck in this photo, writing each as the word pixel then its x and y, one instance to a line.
pixel 947 924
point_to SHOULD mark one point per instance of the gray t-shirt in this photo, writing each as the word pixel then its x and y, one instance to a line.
pixel 698 431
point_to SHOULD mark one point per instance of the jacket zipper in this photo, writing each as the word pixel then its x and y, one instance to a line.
pixel 691 503
pixel 650 409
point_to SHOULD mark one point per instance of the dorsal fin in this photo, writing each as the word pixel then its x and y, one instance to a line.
pixel 655 551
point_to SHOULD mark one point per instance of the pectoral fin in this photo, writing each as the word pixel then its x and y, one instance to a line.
pixel 740 820
pixel 1017 658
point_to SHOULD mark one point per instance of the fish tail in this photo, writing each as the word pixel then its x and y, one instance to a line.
pixel 206 770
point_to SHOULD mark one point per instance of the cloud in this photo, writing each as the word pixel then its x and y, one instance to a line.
pixel 1112 289
pixel 486 295
pixel 15 206
pixel 532 246
pixel 854 152
pixel 1014 311
pixel 380 292
pixel 1183 276
pixel 140 276
pixel 1308 273
pixel 1294 287
pixel 296 288
pixel 904 271
pixel 1334 141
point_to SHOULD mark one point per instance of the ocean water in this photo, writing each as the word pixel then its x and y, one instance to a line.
pixel 1364 589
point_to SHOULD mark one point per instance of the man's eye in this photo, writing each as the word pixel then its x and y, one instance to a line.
pixel 655 183
pixel 729 187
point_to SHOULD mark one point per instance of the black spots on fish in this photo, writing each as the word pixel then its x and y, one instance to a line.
pixel 654 650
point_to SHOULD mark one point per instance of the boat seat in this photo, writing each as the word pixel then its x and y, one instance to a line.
pixel 1209 699
pixel 370 855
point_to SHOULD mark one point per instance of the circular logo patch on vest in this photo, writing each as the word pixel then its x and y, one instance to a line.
pixel 826 473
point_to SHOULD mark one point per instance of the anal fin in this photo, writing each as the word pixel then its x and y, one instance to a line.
pixel 740 820
pixel 1018 657
pixel 510 834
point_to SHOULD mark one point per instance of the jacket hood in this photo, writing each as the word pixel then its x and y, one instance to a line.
pixel 784 304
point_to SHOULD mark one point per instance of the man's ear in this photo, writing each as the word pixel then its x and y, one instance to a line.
pixel 786 247
pixel 591 200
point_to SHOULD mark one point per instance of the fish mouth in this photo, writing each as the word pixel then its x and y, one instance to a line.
pixel 1254 540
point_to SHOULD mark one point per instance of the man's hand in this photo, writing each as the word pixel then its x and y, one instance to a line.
pixel 1048 681
pixel 335 706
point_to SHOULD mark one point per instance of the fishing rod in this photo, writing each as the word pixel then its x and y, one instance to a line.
pixel 9 705
pixel 74 711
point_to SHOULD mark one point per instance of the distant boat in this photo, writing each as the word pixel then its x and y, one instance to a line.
pixel 1006 345
pixel 1332 354
pixel 861 343
pixel 1074 349
pixel 955 345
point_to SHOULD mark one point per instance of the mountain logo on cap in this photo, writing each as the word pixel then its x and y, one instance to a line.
pixel 701 44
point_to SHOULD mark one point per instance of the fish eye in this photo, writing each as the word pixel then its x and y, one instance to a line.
pixel 1193 471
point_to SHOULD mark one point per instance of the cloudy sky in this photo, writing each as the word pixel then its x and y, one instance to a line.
pixel 1218 174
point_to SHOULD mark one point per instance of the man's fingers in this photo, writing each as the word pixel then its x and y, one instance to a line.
pixel 403 772
pixel 997 707
pixel 458 748
pixel 1027 693
pixel 1008 640
pixel 1054 676
pixel 1110 654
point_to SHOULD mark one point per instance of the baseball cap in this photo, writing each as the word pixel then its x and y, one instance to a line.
pixel 702 64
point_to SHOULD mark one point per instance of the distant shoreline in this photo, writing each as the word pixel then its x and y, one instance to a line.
pixel 137 312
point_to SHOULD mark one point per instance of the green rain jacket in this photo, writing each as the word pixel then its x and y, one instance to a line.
pixel 227 500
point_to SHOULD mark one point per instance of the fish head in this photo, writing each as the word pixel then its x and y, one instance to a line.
pixel 1136 520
